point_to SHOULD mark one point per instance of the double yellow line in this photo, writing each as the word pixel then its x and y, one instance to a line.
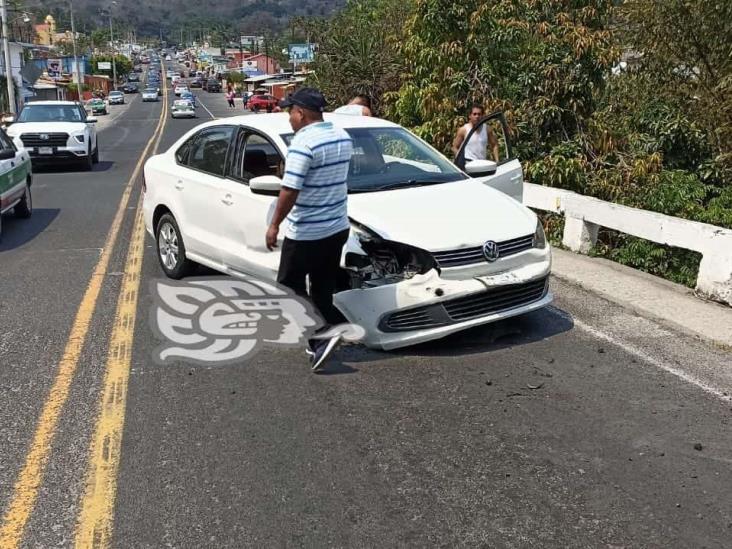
pixel 94 526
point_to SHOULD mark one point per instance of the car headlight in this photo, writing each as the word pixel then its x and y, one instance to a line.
pixel 80 137
pixel 539 236
pixel 386 261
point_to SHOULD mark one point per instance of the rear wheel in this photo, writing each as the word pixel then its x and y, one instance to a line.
pixel 24 208
pixel 171 250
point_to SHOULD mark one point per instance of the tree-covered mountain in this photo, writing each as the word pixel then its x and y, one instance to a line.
pixel 171 17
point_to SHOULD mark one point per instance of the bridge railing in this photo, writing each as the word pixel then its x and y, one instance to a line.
pixel 584 216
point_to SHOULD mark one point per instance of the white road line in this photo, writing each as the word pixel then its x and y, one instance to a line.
pixel 631 349
pixel 198 97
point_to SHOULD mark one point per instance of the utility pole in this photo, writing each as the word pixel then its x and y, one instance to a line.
pixel 79 83
pixel 6 51
pixel 114 53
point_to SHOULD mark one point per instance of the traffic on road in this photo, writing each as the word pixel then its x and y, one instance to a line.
pixel 157 388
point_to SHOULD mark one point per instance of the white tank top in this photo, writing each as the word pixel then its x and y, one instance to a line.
pixel 350 109
pixel 477 146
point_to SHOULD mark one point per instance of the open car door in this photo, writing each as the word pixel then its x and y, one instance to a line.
pixel 500 169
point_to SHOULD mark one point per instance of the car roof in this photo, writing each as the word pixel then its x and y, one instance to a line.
pixel 31 103
pixel 279 123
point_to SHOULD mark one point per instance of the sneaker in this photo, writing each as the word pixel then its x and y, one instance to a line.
pixel 322 351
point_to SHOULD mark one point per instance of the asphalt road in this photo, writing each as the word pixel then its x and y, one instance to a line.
pixel 563 428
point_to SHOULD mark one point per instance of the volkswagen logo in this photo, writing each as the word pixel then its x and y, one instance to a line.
pixel 490 251
pixel 44 136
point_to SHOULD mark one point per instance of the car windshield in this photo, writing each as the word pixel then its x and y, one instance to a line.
pixel 151 90
pixel 50 113
pixel 115 93
pixel 390 158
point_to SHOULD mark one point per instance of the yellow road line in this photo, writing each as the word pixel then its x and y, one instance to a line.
pixel 96 517
pixel 25 490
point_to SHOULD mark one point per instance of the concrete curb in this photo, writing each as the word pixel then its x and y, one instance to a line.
pixel 646 295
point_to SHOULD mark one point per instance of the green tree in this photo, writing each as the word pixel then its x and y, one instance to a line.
pixel 358 50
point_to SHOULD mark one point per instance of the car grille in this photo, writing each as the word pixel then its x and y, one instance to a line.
pixel 55 139
pixel 469 256
pixel 452 311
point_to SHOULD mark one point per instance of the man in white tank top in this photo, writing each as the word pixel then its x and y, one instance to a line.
pixel 477 147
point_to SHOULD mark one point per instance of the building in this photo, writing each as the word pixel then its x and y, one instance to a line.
pixel 46 31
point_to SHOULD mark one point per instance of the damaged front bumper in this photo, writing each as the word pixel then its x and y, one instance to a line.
pixel 429 306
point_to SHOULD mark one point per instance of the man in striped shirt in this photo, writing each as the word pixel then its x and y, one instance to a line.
pixel 313 198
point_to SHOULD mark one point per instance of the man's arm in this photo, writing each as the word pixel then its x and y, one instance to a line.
pixel 285 202
pixel 458 142
pixel 297 165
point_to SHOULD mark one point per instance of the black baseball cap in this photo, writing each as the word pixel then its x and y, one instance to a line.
pixel 307 98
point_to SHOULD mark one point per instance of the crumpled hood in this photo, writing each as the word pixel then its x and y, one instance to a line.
pixel 45 127
pixel 442 217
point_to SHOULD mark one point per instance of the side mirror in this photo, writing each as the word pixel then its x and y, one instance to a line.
pixel 478 168
pixel 265 184
pixel 7 154
pixel 8 119
pixel 91 119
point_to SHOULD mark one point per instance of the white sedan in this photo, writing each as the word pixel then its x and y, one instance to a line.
pixel 432 251
pixel 180 88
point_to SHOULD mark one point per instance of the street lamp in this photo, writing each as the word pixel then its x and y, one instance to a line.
pixel 79 83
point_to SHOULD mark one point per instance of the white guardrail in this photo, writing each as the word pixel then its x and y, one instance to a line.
pixel 585 215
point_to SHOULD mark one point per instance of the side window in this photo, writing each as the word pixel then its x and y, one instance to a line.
pixel 6 144
pixel 255 156
pixel 208 152
pixel 181 155
pixel 82 113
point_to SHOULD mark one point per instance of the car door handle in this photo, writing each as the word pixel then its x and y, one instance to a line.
pixel 515 177
pixel 227 200
pixel 179 185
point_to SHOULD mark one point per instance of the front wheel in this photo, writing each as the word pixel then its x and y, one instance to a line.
pixel 88 162
pixel 171 250
pixel 95 156
pixel 24 208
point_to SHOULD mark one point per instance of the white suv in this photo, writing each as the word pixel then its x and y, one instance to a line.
pixel 55 132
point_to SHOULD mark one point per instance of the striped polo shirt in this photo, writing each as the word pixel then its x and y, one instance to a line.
pixel 317 165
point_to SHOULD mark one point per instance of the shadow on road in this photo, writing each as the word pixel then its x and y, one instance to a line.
pixel 102 166
pixel 17 232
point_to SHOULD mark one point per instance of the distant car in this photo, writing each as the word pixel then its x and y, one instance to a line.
pixel 130 87
pixel 196 83
pixel 168 58
pixel 97 106
pixel 169 74
pixel 213 85
pixel 190 97
pixel 133 77
pixel 180 88
pixel 150 94
pixel 137 68
pixel 182 108
pixel 116 98
pixel 262 102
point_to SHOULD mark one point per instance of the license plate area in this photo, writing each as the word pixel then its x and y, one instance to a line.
pixel 45 150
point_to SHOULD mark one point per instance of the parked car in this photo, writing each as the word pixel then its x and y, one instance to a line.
pixel 116 98
pixel 182 108
pixel 150 94
pixel 56 131
pixel 15 180
pixel 432 250
pixel 213 86
pixel 97 106
pixel 262 102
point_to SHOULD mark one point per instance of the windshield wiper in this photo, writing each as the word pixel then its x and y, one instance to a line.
pixel 409 183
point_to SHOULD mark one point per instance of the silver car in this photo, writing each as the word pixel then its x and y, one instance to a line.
pixel 116 98
pixel 150 94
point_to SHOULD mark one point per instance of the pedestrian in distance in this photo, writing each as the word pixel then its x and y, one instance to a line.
pixel 313 198
pixel 359 106
pixel 477 147
pixel 230 95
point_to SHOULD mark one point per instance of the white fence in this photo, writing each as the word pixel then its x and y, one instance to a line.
pixel 585 215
